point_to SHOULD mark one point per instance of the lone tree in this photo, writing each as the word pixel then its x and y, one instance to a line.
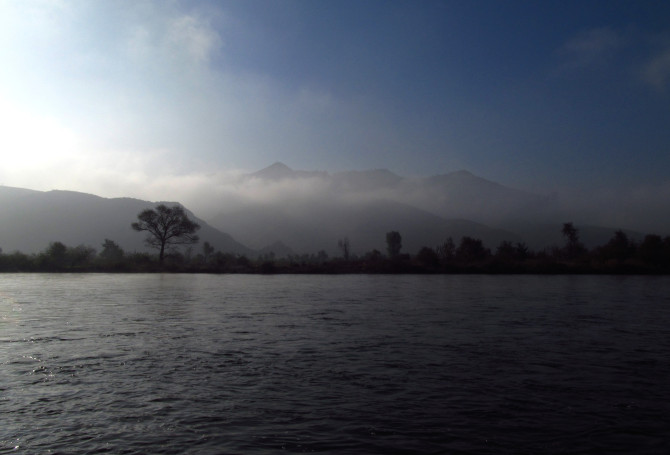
pixel 166 226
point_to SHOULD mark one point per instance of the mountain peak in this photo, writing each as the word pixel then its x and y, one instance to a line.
pixel 275 171
pixel 278 165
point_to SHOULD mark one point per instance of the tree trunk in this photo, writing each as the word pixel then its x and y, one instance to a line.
pixel 160 257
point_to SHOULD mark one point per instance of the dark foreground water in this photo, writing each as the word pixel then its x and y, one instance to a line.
pixel 338 364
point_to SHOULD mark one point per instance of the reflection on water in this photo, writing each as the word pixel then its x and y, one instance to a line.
pixel 337 364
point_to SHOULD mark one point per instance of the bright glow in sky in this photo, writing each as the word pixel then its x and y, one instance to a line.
pixel 162 99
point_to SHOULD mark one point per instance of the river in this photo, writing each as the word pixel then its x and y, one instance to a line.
pixel 256 364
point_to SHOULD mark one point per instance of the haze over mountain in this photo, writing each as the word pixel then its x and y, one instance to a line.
pixel 309 226
pixel 312 210
pixel 284 211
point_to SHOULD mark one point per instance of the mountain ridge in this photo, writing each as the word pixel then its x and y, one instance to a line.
pixel 449 197
pixel 310 216
pixel 33 220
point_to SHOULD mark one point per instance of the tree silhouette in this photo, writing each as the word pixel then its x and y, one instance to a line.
pixel 619 248
pixel 111 251
pixel 506 251
pixel 166 226
pixel 81 255
pixel 207 250
pixel 374 255
pixel 471 250
pixel 393 244
pixel 428 257
pixel 511 252
pixel 522 251
pixel 573 247
pixel 55 256
pixel 651 250
pixel 569 231
pixel 343 244
pixel 447 251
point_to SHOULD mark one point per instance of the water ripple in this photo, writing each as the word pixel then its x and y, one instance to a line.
pixel 346 365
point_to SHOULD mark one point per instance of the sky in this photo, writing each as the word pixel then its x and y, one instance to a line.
pixel 164 99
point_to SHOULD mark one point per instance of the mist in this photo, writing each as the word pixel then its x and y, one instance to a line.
pixel 311 210
pixel 459 196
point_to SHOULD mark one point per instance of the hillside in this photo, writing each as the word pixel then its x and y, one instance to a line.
pixel 33 219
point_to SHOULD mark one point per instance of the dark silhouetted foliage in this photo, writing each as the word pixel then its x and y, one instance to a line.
pixel 471 250
pixel 619 255
pixel 321 257
pixel 428 257
pixel 573 247
pixel 111 252
pixel 653 251
pixel 343 244
pixel 207 251
pixel 166 226
pixel 17 262
pixel 393 244
pixel 508 252
pixel 81 256
pixel 447 251
pixel 618 249
pixel 373 256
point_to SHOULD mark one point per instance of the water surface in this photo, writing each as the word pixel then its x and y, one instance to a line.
pixel 175 364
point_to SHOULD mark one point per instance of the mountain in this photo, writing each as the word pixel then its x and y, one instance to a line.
pixel 277 249
pixel 33 219
pixel 280 171
pixel 456 195
pixel 310 226
pixel 462 194
pixel 310 211
pixel 374 180
pixel 283 211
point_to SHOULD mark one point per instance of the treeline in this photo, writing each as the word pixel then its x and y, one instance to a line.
pixel 58 257
pixel 620 254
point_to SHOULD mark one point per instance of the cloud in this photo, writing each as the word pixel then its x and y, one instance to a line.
pixel 656 72
pixel 596 48
pixel 170 38
pixel 155 76
pixel 589 48
pixel 152 80
pixel 195 36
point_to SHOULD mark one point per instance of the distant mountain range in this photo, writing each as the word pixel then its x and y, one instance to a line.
pixel 324 208
pixel 455 195
pixel 364 205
